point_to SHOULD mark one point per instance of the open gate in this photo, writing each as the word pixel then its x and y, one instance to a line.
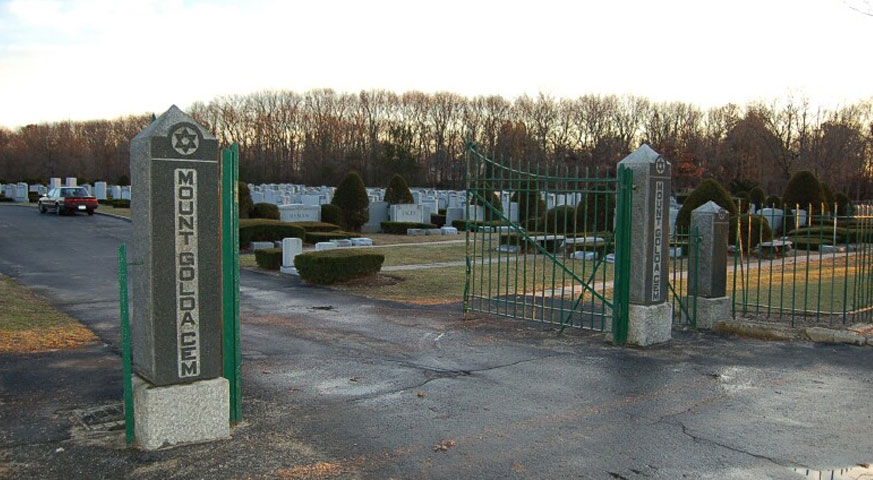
pixel 548 245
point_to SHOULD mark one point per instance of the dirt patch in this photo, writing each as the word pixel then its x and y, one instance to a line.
pixel 372 281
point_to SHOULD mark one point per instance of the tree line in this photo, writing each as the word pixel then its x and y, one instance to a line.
pixel 317 136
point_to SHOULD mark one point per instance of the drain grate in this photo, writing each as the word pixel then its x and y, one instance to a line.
pixel 104 417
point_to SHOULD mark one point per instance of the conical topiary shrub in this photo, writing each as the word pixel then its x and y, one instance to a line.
pixel 351 198
pixel 398 191
pixel 706 191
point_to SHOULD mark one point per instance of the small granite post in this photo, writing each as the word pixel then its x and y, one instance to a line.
pixel 179 394
pixel 650 316
pixel 708 297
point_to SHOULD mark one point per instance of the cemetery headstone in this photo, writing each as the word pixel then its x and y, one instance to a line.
pixel 70 182
pixel 378 214
pixel 54 182
pixel 20 193
pixel 291 247
pixel 100 190
pixel 407 212
pixel 179 394
pixel 299 213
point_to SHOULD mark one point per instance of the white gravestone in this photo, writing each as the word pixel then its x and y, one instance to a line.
pixel 100 190
pixel 291 247
pixel 300 213
pixel 70 182
pixel 20 193
pixel 54 182
pixel 378 214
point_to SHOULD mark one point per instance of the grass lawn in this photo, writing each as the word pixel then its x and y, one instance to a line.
pixel 29 324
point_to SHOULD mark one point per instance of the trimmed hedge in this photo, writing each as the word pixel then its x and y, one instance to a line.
pixel 330 213
pixel 438 220
pixel 530 204
pixel 399 228
pixel 269 258
pixel 331 266
pixel 315 237
pixel 6 199
pixel 706 191
pixel 760 232
pixel 844 205
pixel 121 203
pixel 316 226
pixel 33 197
pixel 598 211
pixel 264 210
pixel 265 230
pixel 461 224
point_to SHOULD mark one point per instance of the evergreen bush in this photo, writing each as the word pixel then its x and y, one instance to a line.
pixel 244 197
pixel 597 213
pixel 803 189
pixel 269 258
pixel 330 213
pixel 760 231
pixel 438 220
pixel 316 226
pixel 264 230
pixel 399 228
pixel 773 201
pixel 315 237
pixel 559 220
pixel 331 266
pixel 264 210
pixel 530 203
pixel 351 197
pixel 398 192
pixel 706 191
pixel 757 197
pixel 844 205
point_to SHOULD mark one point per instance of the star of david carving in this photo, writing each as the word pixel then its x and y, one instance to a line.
pixel 185 140
pixel 660 165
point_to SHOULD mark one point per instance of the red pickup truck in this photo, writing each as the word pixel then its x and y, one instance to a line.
pixel 63 200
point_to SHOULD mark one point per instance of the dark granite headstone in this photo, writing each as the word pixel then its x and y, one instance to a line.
pixel 176 252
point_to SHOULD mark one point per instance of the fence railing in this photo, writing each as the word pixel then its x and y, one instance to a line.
pixel 807 265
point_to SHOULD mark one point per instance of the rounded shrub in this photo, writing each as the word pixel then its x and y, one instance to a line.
pixel 244 197
pixel 264 230
pixel 398 192
pixel 269 258
pixel 757 197
pixel 742 200
pixel 760 231
pixel 264 210
pixel 706 191
pixel 331 266
pixel 330 213
pixel 773 201
pixel 560 219
pixel 827 195
pixel 399 228
pixel 351 197
pixel 530 203
pixel 597 213
pixel 803 189
pixel 844 205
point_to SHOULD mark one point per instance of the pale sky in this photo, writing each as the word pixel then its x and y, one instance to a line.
pixel 90 59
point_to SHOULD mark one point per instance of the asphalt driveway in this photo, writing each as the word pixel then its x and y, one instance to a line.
pixel 337 386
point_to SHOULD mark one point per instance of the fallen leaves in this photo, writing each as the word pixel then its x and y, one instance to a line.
pixel 444 445
pixel 40 339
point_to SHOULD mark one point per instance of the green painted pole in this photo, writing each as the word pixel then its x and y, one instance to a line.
pixel 230 277
pixel 125 346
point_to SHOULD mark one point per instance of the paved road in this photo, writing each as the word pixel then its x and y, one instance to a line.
pixel 342 387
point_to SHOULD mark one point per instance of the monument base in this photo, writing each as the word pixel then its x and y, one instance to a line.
pixel 289 270
pixel 177 414
pixel 649 324
pixel 711 310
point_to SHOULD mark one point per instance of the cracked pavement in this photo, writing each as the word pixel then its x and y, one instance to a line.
pixel 370 389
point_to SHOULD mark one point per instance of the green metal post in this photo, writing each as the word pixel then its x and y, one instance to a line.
pixel 621 293
pixel 230 277
pixel 125 346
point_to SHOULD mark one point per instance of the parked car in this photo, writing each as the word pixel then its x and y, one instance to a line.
pixel 63 200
